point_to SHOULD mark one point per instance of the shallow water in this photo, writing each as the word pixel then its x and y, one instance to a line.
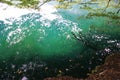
pixel 36 45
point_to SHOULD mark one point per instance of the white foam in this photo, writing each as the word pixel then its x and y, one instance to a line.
pixel 7 11
pixel 46 11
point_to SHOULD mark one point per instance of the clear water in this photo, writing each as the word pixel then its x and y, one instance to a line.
pixel 39 45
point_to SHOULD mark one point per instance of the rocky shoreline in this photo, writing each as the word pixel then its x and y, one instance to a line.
pixel 110 70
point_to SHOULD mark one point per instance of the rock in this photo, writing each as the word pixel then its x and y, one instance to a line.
pixel 110 70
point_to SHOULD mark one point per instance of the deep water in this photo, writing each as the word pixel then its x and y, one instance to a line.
pixel 36 46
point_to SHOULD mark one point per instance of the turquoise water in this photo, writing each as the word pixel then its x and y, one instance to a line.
pixel 30 36
pixel 36 47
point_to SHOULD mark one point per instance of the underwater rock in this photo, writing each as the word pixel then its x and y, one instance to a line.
pixel 110 70
pixel 62 78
